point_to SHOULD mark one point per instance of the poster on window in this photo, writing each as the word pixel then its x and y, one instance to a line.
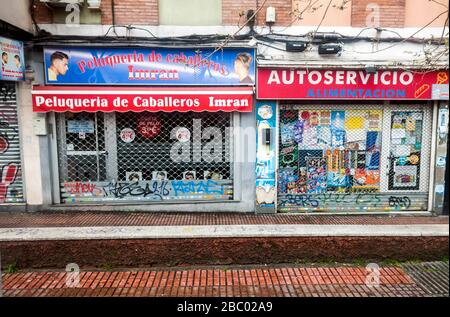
pixel 317 175
pixel 405 177
pixel 13 62
pixel 325 151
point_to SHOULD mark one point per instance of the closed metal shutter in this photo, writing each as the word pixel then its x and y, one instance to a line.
pixel 119 157
pixel 11 187
pixel 354 157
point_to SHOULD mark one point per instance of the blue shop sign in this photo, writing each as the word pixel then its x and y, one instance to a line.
pixel 13 62
pixel 149 66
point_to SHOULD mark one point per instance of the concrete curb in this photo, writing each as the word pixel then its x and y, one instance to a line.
pixel 221 231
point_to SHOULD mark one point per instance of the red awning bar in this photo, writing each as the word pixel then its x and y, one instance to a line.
pixel 137 99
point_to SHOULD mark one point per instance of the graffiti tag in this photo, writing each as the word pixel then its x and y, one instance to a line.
pixel 7 177
pixel 311 200
pixel 202 187
pixel 124 189
pixel 399 202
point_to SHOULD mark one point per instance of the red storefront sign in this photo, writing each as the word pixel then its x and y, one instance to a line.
pixel 286 83
pixel 153 99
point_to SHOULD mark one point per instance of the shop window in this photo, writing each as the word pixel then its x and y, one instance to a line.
pixel 330 151
pixel 353 158
pixel 145 156
pixel 181 12
pixel 406 146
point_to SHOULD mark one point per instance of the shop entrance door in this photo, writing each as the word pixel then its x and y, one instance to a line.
pixel 408 157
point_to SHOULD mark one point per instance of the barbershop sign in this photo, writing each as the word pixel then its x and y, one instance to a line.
pixel 350 84
pixel 149 66
pixel 153 99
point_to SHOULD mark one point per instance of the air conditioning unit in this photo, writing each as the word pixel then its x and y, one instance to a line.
pixel 60 3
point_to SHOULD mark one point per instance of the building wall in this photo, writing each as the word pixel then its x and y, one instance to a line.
pixel 419 13
pixel 393 13
pixel 17 13
pixel 232 9
pixel 180 12
pixel 137 12
pixel 311 13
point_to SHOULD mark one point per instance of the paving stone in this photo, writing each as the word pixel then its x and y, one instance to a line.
pixel 418 279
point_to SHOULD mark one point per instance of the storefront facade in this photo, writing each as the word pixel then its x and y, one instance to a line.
pixel 148 126
pixel 348 140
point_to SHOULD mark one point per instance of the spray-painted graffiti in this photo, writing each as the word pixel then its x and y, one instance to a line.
pixel 7 176
pixel 7 133
pixel 10 175
pixel 80 187
pixel 151 190
pixel 399 202
pixel 351 201
pixel 329 198
pixel 158 189
pixel 200 187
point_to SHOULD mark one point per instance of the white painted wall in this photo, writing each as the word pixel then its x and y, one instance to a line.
pixel 16 12
pixel 31 168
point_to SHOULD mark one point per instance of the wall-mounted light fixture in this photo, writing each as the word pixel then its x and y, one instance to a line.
pixel 296 46
pixel 329 48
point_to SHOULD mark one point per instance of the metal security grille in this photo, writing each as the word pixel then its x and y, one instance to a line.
pixel 11 186
pixel 152 156
pixel 148 153
pixel 82 147
pixel 353 158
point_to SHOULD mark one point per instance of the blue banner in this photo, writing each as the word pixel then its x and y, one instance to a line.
pixel 13 62
pixel 149 66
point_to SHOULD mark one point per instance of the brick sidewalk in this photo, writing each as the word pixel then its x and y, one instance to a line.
pixel 88 219
pixel 295 281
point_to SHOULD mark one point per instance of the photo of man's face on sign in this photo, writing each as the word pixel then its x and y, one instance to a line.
pixel 242 65
pixel 5 58
pixel 59 62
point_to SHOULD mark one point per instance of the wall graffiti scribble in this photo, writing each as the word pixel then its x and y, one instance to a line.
pixel 151 190
pixel 7 177
pixel 402 202
pixel 349 201
pixel 7 133
pixel 124 189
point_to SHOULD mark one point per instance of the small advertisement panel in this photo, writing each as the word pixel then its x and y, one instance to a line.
pixel 13 63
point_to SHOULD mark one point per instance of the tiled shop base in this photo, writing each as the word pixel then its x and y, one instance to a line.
pixel 80 219
pixel 235 281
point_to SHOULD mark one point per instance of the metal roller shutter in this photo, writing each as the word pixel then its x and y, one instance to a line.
pixel 11 187
pixel 354 157
pixel 119 157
